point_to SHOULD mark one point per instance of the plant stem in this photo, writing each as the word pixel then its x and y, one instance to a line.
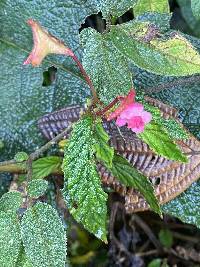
pixel 87 78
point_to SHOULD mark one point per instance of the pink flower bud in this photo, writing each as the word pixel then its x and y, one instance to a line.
pixel 44 44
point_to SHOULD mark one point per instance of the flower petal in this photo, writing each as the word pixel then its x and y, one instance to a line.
pixel 146 116
pixel 120 122
pixel 44 44
pixel 131 110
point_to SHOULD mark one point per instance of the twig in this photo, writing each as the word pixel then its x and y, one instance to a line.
pixel 178 82
pixel 14 166
pixel 148 232
pixel 33 156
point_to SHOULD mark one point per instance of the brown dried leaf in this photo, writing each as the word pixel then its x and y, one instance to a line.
pixel 170 178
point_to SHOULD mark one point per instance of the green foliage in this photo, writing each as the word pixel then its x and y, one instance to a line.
pixel 104 152
pixel 82 188
pixel 37 188
pixel 130 176
pixel 45 166
pixel 106 66
pixel 23 260
pixel 10 239
pixel 155 263
pixel 23 98
pixel 175 130
pixel 173 55
pixel 21 156
pixel 161 143
pixel 186 207
pixel 43 236
pixel 195 4
pixel 10 201
pixel 166 238
pixel 116 8
pixel 142 6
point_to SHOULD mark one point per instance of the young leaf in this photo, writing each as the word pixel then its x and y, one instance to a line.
pixel 106 66
pixel 116 8
pixel 170 56
pixel 195 4
pixel 82 188
pixel 161 143
pixel 43 236
pixel 142 6
pixel 37 188
pixel 104 152
pixel 130 176
pixel 10 239
pixel 166 238
pixel 10 201
pixel 45 166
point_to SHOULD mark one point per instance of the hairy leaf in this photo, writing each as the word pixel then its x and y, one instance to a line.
pixel 10 201
pixel 142 6
pixel 116 8
pixel 23 98
pixel 10 239
pixel 129 176
pixel 23 260
pixel 106 66
pixel 173 55
pixel 43 236
pixel 37 188
pixel 104 152
pixel 187 206
pixel 195 4
pixel 161 143
pixel 82 188
pixel 45 166
pixel 169 177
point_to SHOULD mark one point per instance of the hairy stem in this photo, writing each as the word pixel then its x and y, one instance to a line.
pixel 87 78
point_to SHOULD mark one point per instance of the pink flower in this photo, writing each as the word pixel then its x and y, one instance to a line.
pixel 44 44
pixel 135 117
pixel 125 102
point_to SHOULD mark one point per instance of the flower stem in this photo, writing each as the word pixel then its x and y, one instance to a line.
pixel 109 106
pixel 87 78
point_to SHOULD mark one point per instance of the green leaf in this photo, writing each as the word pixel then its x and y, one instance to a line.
pixel 43 236
pixel 45 166
pixel 37 188
pixel 187 22
pixel 23 98
pixel 116 8
pixel 23 260
pixel 82 187
pixel 195 4
pixel 10 201
pixel 166 238
pixel 160 20
pixel 142 6
pixel 161 143
pixel 155 263
pixel 130 176
pixel 106 66
pixel 21 156
pixel 104 152
pixel 186 207
pixel 10 239
pixel 173 55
